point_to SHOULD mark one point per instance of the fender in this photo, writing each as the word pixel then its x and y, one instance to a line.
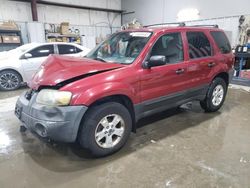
pixel 10 68
pixel 220 68
pixel 104 90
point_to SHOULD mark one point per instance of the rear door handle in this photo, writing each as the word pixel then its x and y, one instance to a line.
pixel 179 71
pixel 211 64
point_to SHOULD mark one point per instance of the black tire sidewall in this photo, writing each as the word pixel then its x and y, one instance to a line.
pixel 209 106
pixel 90 122
pixel 16 74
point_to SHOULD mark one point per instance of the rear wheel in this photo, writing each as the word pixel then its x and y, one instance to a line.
pixel 215 96
pixel 9 80
pixel 105 128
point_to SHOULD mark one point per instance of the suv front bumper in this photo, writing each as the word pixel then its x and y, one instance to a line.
pixel 57 123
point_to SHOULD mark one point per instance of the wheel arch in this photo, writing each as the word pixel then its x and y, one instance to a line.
pixel 14 70
pixel 224 76
pixel 119 98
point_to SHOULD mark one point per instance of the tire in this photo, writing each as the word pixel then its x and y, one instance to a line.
pixel 216 95
pixel 95 123
pixel 9 80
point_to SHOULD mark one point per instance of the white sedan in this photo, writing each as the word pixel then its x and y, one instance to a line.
pixel 17 66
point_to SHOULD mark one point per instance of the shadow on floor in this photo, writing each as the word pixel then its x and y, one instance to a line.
pixel 60 157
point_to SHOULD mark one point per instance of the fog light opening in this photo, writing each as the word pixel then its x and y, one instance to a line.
pixel 41 130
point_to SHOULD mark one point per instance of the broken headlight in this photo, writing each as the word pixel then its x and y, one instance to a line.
pixel 52 97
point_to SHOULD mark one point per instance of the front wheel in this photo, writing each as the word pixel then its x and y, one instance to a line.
pixel 105 128
pixel 9 80
pixel 215 96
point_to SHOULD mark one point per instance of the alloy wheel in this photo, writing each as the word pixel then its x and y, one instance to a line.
pixel 218 94
pixel 109 131
pixel 9 81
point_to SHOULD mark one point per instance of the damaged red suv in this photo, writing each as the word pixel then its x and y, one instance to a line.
pixel 97 100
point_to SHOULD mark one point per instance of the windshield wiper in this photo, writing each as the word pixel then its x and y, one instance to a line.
pixel 99 59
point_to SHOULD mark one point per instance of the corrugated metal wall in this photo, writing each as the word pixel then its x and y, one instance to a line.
pixel 90 23
pixel 20 11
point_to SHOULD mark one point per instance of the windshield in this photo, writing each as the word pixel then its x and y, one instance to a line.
pixel 23 48
pixel 121 48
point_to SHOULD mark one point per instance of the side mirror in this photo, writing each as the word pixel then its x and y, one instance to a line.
pixel 156 60
pixel 26 56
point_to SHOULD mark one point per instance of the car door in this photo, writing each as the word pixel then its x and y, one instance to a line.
pixel 201 58
pixel 32 60
pixel 165 86
pixel 68 50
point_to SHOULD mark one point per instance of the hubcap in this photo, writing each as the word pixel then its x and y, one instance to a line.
pixel 109 131
pixel 218 94
pixel 9 81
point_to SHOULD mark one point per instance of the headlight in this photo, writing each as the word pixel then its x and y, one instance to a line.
pixel 52 97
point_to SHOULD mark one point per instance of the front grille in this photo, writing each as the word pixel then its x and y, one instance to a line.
pixel 29 94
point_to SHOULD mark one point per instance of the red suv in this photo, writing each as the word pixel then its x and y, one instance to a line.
pixel 97 100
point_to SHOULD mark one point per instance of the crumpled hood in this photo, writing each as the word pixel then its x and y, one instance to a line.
pixel 57 69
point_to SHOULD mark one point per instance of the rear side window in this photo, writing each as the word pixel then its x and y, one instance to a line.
pixel 68 49
pixel 199 45
pixel 221 41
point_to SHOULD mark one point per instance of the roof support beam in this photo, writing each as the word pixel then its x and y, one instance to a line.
pixel 34 10
pixel 72 6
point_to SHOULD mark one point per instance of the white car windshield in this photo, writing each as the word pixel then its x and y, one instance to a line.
pixel 23 48
pixel 123 47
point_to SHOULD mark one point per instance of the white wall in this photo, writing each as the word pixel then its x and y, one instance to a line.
pixel 146 11
pixel 156 11
pixel 221 12
pixel 19 11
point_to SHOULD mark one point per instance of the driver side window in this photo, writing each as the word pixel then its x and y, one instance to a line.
pixel 170 46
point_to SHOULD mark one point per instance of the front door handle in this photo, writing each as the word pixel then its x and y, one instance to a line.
pixel 211 64
pixel 179 71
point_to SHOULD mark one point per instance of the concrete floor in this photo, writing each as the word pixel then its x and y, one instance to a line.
pixel 184 148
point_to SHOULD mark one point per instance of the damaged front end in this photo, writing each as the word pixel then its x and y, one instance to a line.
pixel 59 123
pixel 45 109
pixel 59 71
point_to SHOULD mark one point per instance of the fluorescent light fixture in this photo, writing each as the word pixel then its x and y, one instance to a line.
pixel 188 14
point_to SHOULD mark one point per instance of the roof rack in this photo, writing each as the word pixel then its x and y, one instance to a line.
pixel 216 26
pixel 181 24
